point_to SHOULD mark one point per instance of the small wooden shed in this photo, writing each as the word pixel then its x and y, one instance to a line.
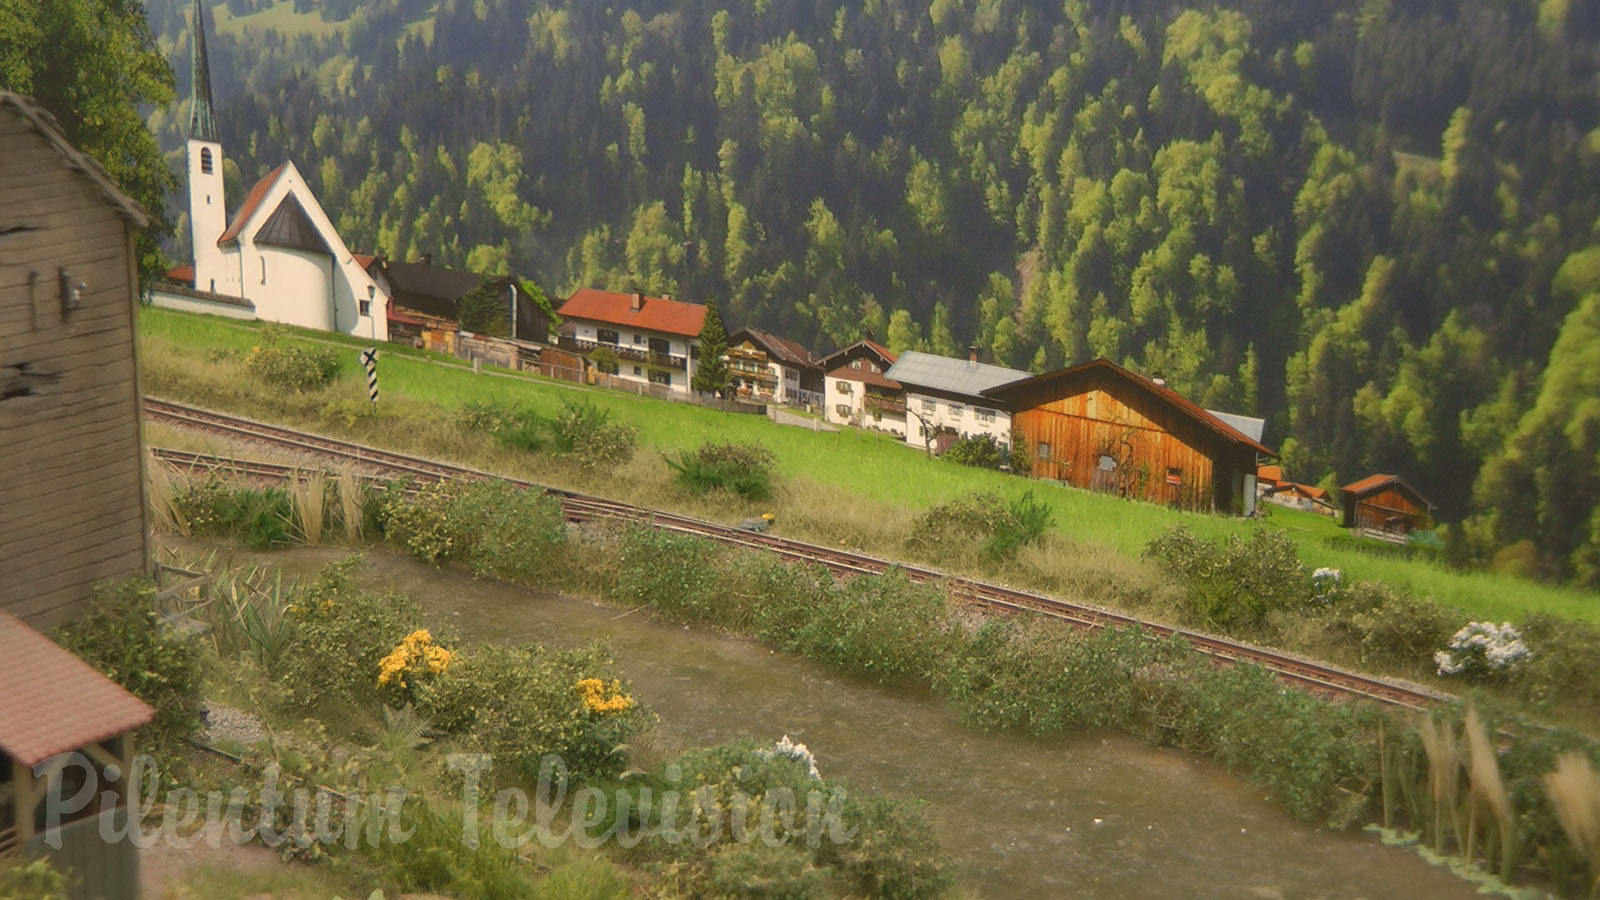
pixel 1385 507
pixel 72 505
pixel 1102 427
pixel 66 748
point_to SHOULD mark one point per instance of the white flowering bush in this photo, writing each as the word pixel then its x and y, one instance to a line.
pixel 1326 585
pixel 791 750
pixel 1482 648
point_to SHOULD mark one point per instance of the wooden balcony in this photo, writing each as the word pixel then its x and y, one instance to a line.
pixel 623 351
pixel 889 406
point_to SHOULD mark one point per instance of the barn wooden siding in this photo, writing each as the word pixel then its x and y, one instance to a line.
pixel 1098 409
pixel 1376 509
pixel 72 508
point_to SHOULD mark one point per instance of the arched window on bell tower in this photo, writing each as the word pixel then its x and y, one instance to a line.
pixel 205 160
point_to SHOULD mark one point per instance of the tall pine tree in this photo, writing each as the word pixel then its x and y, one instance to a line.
pixel 711 371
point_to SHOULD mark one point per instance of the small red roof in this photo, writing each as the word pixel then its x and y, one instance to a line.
pixel 1269 473
pixel 863 375
pixel 52 702
pixel 1368 484
pixel 656 313
pixel 181 274
pixel 363 260
pixel 251 201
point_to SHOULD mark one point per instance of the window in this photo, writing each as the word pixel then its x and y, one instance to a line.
pixel 263 270
pixel 607 336
pixel 844 387
pixel 1107 464
pixel 205 163
pixel 986 416
pixel 957 410
pixel 842 410
pixel 928 406
pixel 638 339
pixel 875 368
pixel 638 370
pixel 661 378
pixel 855 363
pixel 1044 450
pixel 1174 475
pixel 366 307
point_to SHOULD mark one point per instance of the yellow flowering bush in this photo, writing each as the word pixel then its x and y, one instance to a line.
pixel 340 635
pixel 602 698
pixel 414 658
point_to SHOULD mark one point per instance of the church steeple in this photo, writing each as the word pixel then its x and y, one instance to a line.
pixel 202 122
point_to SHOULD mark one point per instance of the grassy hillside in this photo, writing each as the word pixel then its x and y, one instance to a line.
pixel 850 486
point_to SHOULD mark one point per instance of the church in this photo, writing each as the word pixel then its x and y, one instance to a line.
pixel 279 257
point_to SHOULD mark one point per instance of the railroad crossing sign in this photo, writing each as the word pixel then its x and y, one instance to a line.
pixel 369 359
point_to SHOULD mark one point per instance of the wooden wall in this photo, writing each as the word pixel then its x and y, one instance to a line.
pixel 72 509
pixel 1079 416
pixel 1376 509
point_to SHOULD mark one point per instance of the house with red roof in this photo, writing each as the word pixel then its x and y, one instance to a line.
pixel 1102 427
pixel 278 257
pixel 1385 507
pixel 633 337
pixel 857 392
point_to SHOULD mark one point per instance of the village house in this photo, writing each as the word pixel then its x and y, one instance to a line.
pixel 857 392
pixel 1101 427
pixel 631 337
pixel 1385 507
pixel 72 504
pixel 945 401
pixel 1272 487
pixel 770 369
pixel 279 258
pixel 425 300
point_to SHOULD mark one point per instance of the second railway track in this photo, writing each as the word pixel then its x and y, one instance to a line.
pixel 1304 673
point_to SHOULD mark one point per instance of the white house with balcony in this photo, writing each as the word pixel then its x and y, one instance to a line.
pixel 944 399
pixel 857 392
pixel 632 337
pixel 279 258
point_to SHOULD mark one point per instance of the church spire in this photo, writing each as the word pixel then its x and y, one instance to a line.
pixel 202 122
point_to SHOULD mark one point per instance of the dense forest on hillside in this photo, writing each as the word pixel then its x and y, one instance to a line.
pixel 1374 223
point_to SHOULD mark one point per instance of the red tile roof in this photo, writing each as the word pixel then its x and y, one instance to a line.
pixel 363 260
pixel 52 702
pixel 1372 483
pixel 863 375
pixel 888 356
pixel 181 274
pixel 1269 473
pixel 1161 391
pixel 657 314
pixel 251 201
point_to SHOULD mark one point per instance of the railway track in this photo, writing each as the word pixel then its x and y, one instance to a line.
pixel 1303 673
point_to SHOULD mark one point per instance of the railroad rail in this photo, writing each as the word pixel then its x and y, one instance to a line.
pixel 577 507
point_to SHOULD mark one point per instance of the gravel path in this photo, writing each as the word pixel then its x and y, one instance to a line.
pixel 224 723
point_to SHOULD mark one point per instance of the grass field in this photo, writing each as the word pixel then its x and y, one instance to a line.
pixel 860 488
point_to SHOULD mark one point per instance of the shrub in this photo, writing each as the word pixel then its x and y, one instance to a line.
pixel 676 574
pixel 296 366
pixel 1029 519
pixel 508 423
pixel 742 469
pixel 1481 650
pixel 341 634
pixel 982 519
pixel 587 434
pixel 122 635
pixel 981 452
pixel 1387 626
pixel 519 703
pixel 31 879
pixel 1567 667
pixel 883 626
pixel 425 524
pixel 1234 582
pixel 433 860
pixel 508 531
pixel 894 854
pixel 216 507
pixel 757 871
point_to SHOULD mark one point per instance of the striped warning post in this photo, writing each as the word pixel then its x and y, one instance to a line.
pixel 369 359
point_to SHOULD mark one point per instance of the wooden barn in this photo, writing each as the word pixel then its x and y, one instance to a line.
pixel 1385 507
pixel 72 505
pixel 1101 427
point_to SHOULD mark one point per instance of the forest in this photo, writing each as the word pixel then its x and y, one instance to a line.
pixel 1376 224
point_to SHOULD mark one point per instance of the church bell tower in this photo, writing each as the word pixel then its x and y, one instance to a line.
pixel 207 207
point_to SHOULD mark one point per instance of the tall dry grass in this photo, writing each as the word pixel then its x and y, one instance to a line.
pixel 1574 789
pixel 161 493
pixel 1444 777
pixel 1488 791
pixel 352 515
pixel 308 502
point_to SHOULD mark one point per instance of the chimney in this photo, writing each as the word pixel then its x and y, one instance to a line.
pixel 666 296
pixel 972 353
pixel 638 302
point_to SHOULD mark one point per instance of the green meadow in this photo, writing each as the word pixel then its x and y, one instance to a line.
pixel 859 488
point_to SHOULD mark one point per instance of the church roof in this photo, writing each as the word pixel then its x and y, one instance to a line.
pixel 251 201
pixel 202 119
pixel 289 226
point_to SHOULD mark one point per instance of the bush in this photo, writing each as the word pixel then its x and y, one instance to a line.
pixel 509 532
pixel 433 859
pixel 587 434
pixel 508 423
pixel 894 854
pixel 425 524
pixel 742 469
pixel 1389 627
pixel 676 574
pixel 295 366
pixel 983 520
pixel 31 879
pixel 1234 582
pixel 1029 518
pixel 216 507
pixel 883 626
pixel 756 871
pixel 1566 668
pixel 340 636
pixel 519 703
pixel 982 452
pixel 122 636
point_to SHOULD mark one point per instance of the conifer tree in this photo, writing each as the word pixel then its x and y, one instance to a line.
pixel 711 371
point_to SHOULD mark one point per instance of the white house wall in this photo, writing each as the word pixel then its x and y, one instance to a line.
pixel 963 417
pixel 638 339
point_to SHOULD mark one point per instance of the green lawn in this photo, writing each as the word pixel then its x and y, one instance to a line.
pixel 884 471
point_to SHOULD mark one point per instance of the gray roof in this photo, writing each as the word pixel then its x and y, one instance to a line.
pixel 1245 425
pixel 955 376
